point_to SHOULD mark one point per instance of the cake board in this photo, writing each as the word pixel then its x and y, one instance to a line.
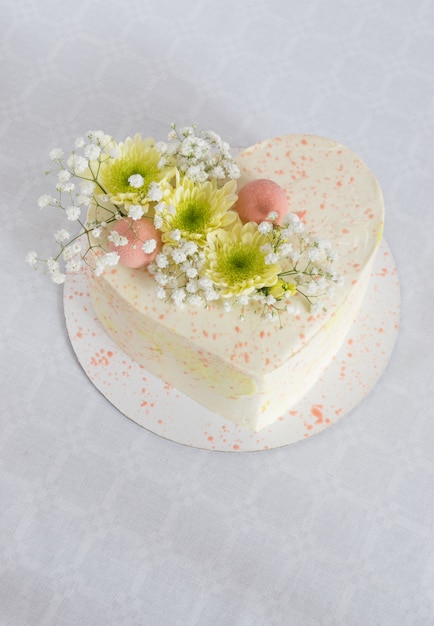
pixel 165 411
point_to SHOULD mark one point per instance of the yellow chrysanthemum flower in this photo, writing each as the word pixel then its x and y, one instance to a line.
pixel 196 209
pixel 235 262
pixel 126 178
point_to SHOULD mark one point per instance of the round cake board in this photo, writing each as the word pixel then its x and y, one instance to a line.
pixel 163 410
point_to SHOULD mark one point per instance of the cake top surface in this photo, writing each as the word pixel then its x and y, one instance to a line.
pixel 336 197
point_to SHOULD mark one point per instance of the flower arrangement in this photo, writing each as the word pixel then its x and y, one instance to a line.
pixel 171 209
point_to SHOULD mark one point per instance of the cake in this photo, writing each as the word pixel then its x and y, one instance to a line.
pixel 252 362
pixel 245 370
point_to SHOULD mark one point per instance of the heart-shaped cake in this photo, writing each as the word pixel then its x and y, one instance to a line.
pixel 242 368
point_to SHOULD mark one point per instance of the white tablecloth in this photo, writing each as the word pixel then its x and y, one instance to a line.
pixel 103 523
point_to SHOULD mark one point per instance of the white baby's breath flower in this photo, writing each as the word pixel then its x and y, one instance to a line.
pixel 161 293
pixel 291 309
pixel 211 294
pixel 196 173
pixel 160 277
pixel 117 239
pixel 74 265
pixel 192 286
pixel 313 254
pixel 217 172
pixel 114 152
pixel 154 192
pixel 63 176
pixel 66 187
pixel 273 215
pixel 87 187
pixel 58 278
pixel 311 289
pixel 195 300
pixel 61 236
pixel 243 299
pixel 56 154
pixel 190 247
pixel 54 269
pixel 77 163
pixel 32 258
pixel 232 170
pixel 80 142
pixel 73 213
pixel 52 265
pixel 96 232
pixel 316 307
pixel 136 181
pixel 68 253
pixel 44 201
pixel 266 248
pixel 186 131
pixel 191 272
pixel 158 221
pixel 271 258
pixel 135 211
pixel 108 259
pixel 285 249
pixel 95 135
pixel 178 256
pixel 161 260
pixel 92 152
pixel 83 200
pixel 178 296
pixel 205 283
pixel 149 246
pixel 265 227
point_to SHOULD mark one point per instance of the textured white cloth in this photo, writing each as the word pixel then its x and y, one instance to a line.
pixel 103 523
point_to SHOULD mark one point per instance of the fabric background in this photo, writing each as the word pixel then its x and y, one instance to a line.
pixel 103 523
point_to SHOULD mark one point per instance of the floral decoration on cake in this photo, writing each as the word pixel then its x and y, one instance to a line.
pixel 173 209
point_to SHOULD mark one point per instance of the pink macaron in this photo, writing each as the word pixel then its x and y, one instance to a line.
pixel 137 232
pixel 258 198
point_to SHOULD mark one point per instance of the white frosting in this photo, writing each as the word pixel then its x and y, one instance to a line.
pixel 252 371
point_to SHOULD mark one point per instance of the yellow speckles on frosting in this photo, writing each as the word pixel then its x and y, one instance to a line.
pixel 380 233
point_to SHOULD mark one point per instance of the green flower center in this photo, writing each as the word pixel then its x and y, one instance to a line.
pixel 241 262
pixel 192 216
pixel 117 175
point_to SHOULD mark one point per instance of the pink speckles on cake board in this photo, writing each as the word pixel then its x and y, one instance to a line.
pixel 163 410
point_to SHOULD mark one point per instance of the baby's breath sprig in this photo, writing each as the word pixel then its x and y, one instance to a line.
pixel 83 166
pixel 176 207
pixel 199 156
pixel 306 268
